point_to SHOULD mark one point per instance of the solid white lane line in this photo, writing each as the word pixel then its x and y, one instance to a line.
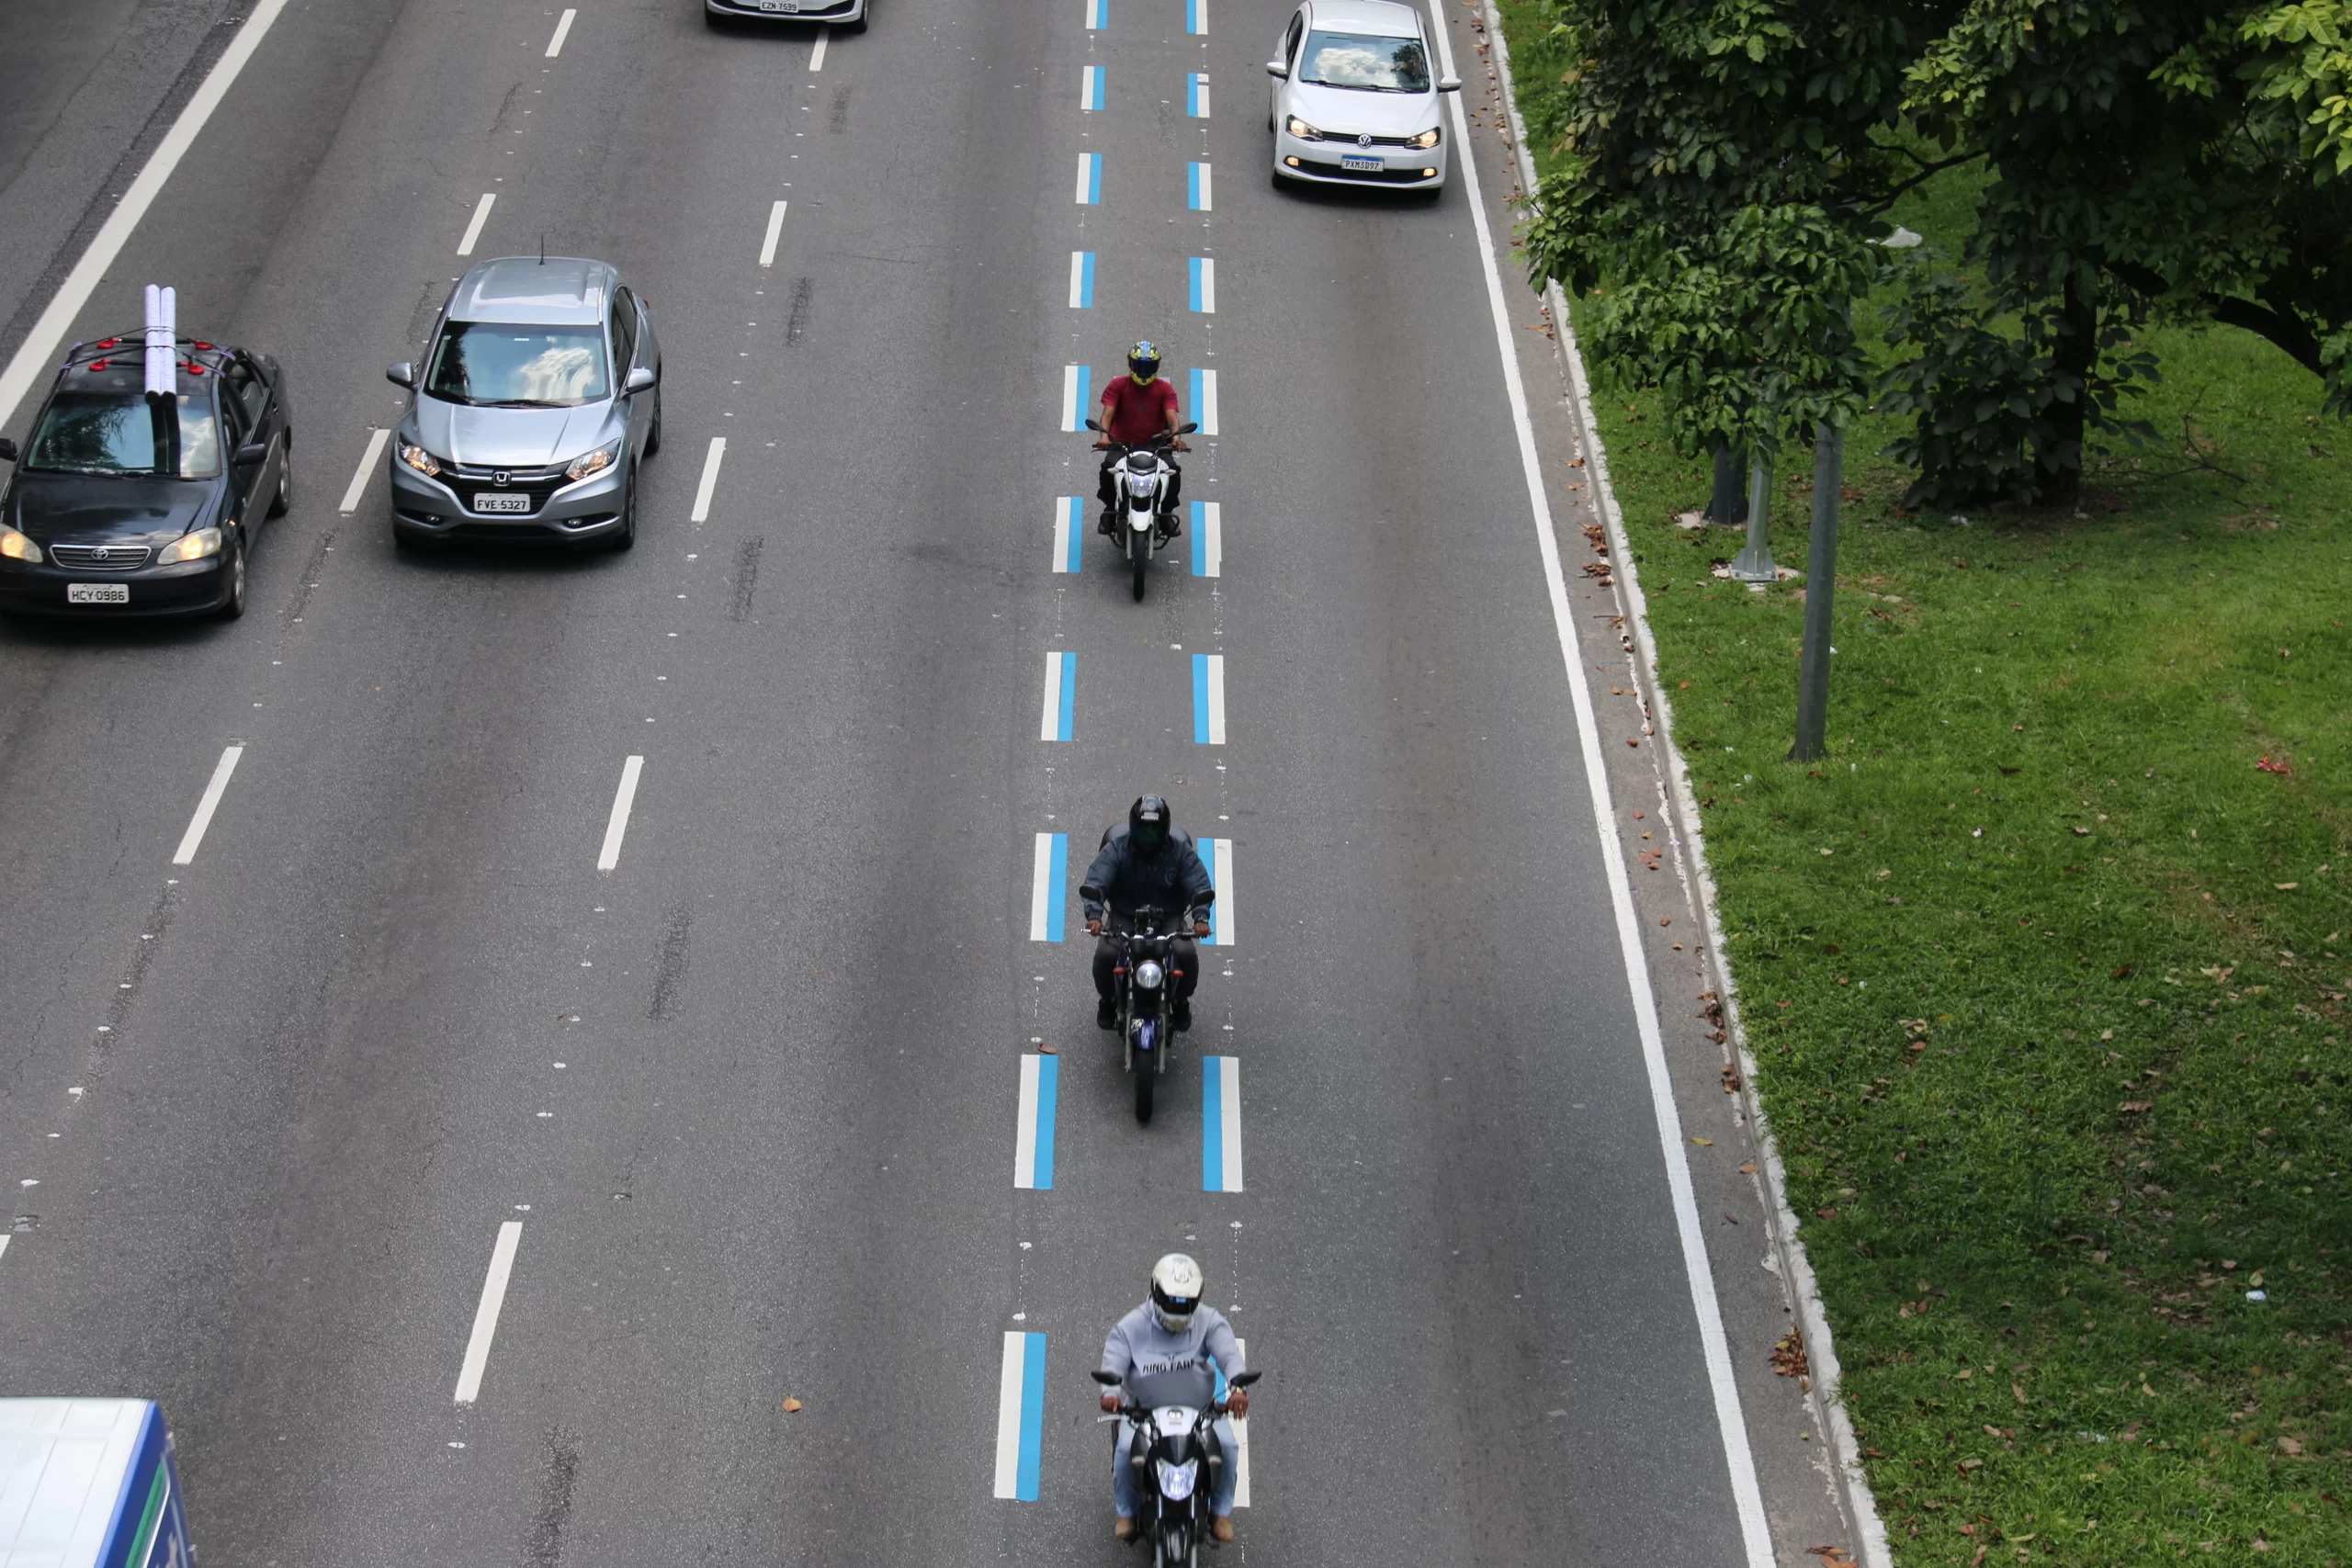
pixel 1739 1459
pixel 494 1298
pixel 816 55
pixel 776 229
pixel 709 478
pixel 205 807
pixel 368 461
pixel 616 825
pixel 32 365
pixel 562 30
pixel 482 215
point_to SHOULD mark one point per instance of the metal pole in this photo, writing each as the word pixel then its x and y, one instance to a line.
pixel 1820 588
pixel 1726 507
pixel 1754 564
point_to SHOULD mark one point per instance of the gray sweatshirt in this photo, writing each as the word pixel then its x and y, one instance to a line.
pixel 1137 1344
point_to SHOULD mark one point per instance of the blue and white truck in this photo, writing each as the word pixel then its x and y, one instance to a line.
pixel 89 1484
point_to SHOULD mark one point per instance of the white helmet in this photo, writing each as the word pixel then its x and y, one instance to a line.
pixel 1175 1291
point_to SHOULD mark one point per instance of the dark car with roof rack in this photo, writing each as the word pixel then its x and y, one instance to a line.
pixel 126 502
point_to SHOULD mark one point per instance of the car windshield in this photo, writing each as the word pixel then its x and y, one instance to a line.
pixel 498 365
pixel 115 433
pixel 1366 63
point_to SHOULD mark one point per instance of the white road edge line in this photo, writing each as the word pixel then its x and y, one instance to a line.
pixel 775 231
pixel 482 215
pixel 494 1298
pixel 205 807
pixel 616 825
pixel 368 461
pixel 31 362
pixel 1747 1495
pixel 562 30
pixel 709 480
pixel 816 55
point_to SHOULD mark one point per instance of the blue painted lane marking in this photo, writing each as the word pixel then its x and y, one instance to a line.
pixel 1203 270
pixel 1082 280
pixel 1090 179
pixel 1021 1416
pixel 1208 538
pixel 1196 17
pixel 1049 872
pixel 1069 533
pixel 1061 696
pixel 1208 699
pixel 1196 187
pixel 1077 382
pixel 1220 1123
pixel 1196 94
pixel 1218 853
pixel 1091 93
pixel 1205 400
pixel 1033 1150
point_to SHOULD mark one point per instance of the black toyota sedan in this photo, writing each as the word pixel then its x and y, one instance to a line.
pixel 124 504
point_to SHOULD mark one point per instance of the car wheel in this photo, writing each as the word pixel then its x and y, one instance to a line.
pixel 234 604
pixel 653 436
pixel 280 503
pixel 625 537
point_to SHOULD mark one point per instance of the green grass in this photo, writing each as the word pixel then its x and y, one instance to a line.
pixel 2041 970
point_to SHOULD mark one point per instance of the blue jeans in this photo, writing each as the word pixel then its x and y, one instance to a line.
pixel 1124 1476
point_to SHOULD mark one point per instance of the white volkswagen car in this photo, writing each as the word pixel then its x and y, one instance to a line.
pixel 1355 101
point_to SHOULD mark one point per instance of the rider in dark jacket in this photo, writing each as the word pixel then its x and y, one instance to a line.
pixel 1148 862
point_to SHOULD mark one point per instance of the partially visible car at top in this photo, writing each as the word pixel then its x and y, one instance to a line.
pixel 1355 101
pixel 126 504
pixel 847 15
pixel 539 396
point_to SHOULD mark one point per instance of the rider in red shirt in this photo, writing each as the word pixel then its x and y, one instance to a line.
pixel 1136 407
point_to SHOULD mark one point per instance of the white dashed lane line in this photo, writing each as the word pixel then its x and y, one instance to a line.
pixel 776 231
pixel 368 461
pixel 616 825
pixel 816 55
pixel 562 31
pixel 482 215
pixel 716 455
pixel 210 802
pixel 493 1300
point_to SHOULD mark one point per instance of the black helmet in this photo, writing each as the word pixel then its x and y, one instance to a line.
pixel 1148 821
pixel 1143 360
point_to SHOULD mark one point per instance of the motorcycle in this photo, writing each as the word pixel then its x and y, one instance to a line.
pixel 1146 990
pixel 1141 475
pixel 1177 1449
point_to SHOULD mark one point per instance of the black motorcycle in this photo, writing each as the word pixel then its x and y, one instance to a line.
pixel 1177 1454
pixel 1143 977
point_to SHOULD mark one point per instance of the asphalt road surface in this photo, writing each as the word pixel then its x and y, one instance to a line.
pixel 742 1119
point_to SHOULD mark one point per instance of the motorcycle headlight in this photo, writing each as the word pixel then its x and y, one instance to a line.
pixel 1149 975
pixel 1301 130
pixel 1426 140
pixel 1177 1481
pixel 1140 484
pixel 190 546
pixel 596 462
pixel 417 457
pixel 16 546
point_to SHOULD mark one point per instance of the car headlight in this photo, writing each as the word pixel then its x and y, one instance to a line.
pixel 417 457
pixel 16 546
pixel 190 546
pixel 595 462
pixel 1301 130
pixel 1426 140
pixel 1176 1481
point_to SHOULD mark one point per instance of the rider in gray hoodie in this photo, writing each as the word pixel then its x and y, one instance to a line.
pixel 1174 1330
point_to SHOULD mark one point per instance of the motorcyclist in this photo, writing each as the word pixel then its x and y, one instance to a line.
pixel 1136 407
pixel 1171 1330
pixel 1148 862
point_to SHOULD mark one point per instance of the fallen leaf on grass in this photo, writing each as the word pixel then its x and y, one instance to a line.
pixel 2290 1447
pixel 2285 887
pixel 2082 833
pixel 2136 1105
pixel 2267 766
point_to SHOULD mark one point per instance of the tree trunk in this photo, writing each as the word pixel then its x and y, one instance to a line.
pixel 2074 357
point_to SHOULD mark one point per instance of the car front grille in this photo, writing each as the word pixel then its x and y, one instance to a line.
pixel 1342 138
pixel 100 558
pixel 536 483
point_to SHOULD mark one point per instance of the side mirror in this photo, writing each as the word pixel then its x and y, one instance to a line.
pixel 253 452
pixel 400 374
pixel 1243 1380
pixel 1277 69
pixel 1108 1379
pixel 642 379
pixel 1092 425
pixel 1186 429
pixel 1449 84
pixel 7 450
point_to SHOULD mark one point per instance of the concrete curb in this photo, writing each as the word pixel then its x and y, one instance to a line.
pixel 1851 1484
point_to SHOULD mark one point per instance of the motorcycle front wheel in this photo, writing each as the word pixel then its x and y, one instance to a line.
pixel 1147 1072
pixel 1140 557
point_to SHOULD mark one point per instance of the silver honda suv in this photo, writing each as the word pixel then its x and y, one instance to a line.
pixel 540 394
